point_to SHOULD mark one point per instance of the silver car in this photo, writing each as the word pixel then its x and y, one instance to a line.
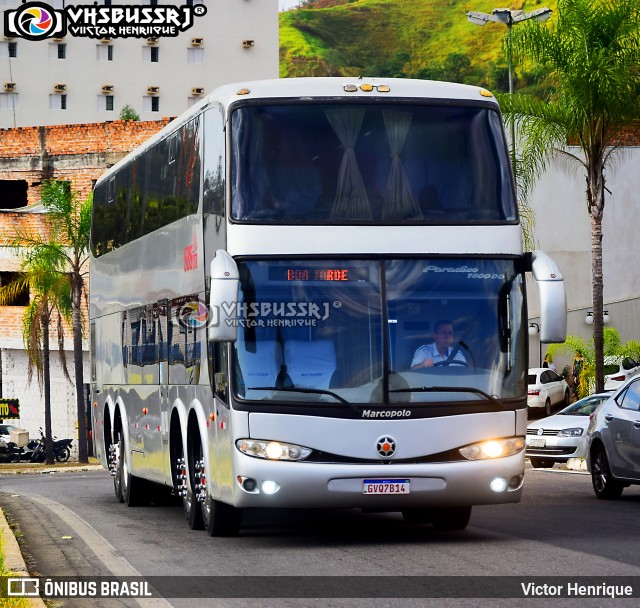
pixel 562 436
pixel 613 455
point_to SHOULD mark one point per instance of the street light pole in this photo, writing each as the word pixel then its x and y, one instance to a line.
pixel 509 17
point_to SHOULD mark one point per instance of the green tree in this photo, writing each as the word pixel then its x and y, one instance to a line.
pixel 591 53
pixel 65 247
pixel 128 113
pixel 612 346
pixel 41 273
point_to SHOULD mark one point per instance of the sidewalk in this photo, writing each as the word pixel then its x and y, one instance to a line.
pixel 13 560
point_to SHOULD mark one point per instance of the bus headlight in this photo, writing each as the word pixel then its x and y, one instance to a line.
pixel 493 448
pixel 272 450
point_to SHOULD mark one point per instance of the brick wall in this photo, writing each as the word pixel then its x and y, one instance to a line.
pixel 77 153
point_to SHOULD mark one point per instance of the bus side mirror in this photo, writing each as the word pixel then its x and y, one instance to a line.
pixel 223 299
pixel 553 298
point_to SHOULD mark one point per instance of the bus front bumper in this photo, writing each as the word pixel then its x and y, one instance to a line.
pixel 264 483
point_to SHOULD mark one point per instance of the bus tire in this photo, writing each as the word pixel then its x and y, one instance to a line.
pixel 117 480
pixel 192 510
pixel 221 519
pixel 456 518
pixel 136 492
pixel 417 516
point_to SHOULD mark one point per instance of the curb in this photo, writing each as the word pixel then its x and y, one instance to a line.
pixel 32 469
pixel 13 560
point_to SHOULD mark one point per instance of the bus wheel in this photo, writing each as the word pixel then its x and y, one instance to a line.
pixel 455 518
pixel 118 452
pixel 221 519
pixel 136 491
pixel 190 506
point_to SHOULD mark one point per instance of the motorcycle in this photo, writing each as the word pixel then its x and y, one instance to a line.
pixel 35 450
pixel 9 451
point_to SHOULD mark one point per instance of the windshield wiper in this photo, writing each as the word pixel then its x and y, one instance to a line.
pixel 291 389
pixel 445 389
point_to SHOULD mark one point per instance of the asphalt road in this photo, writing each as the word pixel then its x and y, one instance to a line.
pixel 71 525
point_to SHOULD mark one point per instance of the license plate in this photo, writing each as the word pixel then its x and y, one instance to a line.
pixel 537 443
pixel 386 486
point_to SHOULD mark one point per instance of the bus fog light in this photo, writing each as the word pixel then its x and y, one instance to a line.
pixel 515 482
pixel 249 485
pixel 499 484
pixel 270 487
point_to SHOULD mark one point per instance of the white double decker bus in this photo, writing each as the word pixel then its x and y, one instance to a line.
pixel 311 293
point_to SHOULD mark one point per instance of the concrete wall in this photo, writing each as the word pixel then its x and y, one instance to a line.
pixel 85 70
pixel 563 230
pixel 63 395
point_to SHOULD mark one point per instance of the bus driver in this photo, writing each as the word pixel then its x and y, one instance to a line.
pixel 440 349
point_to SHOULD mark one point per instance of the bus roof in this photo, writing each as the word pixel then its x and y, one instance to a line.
pixel 330 88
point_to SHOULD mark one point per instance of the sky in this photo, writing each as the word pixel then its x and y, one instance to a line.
pixel 286 4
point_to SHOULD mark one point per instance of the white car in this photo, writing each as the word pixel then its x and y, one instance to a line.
pixel 563 436
pixel 618 370
pixel 546 389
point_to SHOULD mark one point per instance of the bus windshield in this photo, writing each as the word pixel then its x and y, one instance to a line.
pixel 364 163
pixel 380 331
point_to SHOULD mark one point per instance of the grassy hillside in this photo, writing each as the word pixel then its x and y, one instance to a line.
pixel 405 38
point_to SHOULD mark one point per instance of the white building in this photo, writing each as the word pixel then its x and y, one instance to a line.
pixel 563 230
pixel 73 80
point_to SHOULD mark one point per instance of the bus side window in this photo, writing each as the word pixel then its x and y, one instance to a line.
pixel 213 195
pixel 218 356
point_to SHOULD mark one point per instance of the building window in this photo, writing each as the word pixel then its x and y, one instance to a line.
pixel 22 297
pixel 13 193
pixel 104 52
pixel 13 49
pixel 155 104
pixel 8 101
pixel 57 101
pixel 155 53
pixel 195 55
pixel 108 100
pixel 62 51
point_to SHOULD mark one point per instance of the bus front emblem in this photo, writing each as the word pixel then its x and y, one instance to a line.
pixel 386 446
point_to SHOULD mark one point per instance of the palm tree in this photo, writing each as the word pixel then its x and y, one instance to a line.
pixel 69 223
pixel 613 346
pixel 48 287
pixel 591 54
